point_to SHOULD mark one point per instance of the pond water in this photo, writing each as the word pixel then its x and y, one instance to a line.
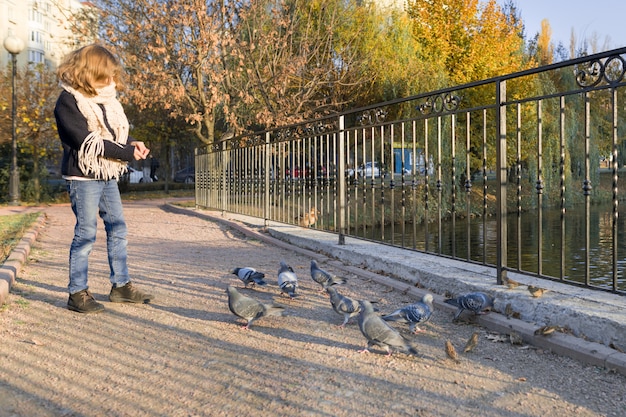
pixel 554 248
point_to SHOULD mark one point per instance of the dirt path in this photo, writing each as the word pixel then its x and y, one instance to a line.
pixel 186 355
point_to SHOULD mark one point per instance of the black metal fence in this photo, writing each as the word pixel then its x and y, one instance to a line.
pixel 518 172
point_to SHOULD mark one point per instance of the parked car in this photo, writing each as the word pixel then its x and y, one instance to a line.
pixel 134 175
pixel 297 173
pixel 187 175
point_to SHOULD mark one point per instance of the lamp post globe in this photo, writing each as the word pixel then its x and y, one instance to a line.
pixel 14 46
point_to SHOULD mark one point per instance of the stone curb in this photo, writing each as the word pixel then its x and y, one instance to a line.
pixel 588 352
pixel 18 257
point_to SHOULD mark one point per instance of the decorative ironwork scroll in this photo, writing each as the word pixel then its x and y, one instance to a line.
pixel 319 127
pixel 591 73
pixel 440 103
pixel 371 117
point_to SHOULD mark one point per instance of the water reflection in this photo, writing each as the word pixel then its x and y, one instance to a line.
pixel 556 247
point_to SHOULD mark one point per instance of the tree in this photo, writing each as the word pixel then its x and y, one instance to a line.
pixel 301 60
pixel 38 93
pixel 470 40
pixel 36 90
pixel 545 48
pixel 235 66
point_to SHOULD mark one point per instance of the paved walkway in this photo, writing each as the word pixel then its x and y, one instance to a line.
pixel 180 256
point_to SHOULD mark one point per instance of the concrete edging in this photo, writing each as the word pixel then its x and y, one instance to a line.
pixel 18 257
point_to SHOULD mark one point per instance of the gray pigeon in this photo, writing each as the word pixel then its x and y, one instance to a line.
pixel 379 333
pixel 249 275
pixel 324 278
pixel 413 314
pixel 248 308
pixel 287 280
pixel 473 301
pixel 343 305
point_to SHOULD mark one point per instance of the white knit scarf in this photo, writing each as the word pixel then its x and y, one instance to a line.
pixel 91 153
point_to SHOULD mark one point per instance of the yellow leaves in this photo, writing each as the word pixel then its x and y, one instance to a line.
pixel 471 40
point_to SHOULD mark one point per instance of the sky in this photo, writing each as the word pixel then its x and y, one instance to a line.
pixel 605 18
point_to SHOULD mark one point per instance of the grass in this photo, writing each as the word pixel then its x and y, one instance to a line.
pixel 12 229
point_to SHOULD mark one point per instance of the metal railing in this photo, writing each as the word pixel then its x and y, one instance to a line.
pixel 506 172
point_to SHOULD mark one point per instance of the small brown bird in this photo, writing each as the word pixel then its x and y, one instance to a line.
pixel 515 338
pixel 511 283
pixel 471 343
pixel 508 311
pixel 308 219
pixel 451 352
pixel 546 330
pixel 536 291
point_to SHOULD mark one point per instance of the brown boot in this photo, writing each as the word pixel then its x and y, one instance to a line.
pixel 83 302
pixel 128 294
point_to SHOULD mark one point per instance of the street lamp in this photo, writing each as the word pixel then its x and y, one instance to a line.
pixel 14 46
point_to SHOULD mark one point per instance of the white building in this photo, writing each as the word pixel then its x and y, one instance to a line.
pixel 43 26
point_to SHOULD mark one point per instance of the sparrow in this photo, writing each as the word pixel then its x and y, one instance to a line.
pixel 471 343
pixel 536 291
pixel 451 352
pixel 546 330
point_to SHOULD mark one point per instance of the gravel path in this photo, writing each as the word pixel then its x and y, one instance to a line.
pixel 186 354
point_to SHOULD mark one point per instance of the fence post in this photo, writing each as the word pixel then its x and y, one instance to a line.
pixel 226 169
pixel 268 169
pixel 341 176
pixel 501 178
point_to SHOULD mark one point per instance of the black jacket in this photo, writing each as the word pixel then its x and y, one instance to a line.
pixel 72 127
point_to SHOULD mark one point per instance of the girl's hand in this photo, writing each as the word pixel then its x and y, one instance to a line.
pixel 141 152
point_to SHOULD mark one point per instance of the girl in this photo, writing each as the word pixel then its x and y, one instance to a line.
pixel 93 129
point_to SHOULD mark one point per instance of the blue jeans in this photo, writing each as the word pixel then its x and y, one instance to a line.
pixel 90 199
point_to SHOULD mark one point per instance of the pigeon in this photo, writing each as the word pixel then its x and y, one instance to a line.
pixel 451 351
pixel 474 301
pixel 471 343
pixel 343 305
pixel 379 333
pixel 287 280
pixel 413 314
pixel 249 276
pixel 325 279
pixel 248 308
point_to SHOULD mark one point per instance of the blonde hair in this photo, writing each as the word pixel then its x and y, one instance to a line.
pixel 84 68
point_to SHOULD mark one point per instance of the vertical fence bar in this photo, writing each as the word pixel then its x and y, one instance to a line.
pixel 468 186
pixel 539 186
pixel 341 176
pixel 266 179
pixel 501 177
pixel 392 185
pixel 414 176
pixel 614 102
pixel 402 186
pixel 562 176
pixel 426 188
pixel 587 186
pixel 485 188
pixel 226 167
pixel 439 190
pixel 518 188
pixel 453 183
pixel 382 181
